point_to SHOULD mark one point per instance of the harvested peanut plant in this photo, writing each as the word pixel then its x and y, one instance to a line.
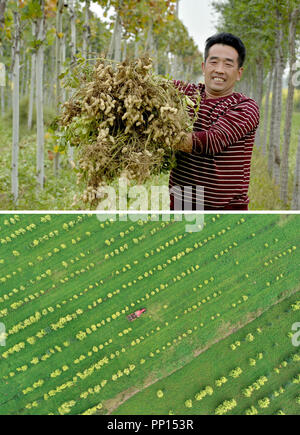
pixel 124 121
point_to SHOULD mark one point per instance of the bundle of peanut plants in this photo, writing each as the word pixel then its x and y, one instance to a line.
pixel 124 121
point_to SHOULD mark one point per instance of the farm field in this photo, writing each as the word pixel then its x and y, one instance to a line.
pixel 215 299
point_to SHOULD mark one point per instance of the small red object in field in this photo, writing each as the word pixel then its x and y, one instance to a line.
pixel 135 315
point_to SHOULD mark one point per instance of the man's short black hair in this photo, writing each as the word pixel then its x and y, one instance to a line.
pixel 227 39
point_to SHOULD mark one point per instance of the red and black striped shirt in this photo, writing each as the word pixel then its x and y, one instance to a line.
pixel 225 130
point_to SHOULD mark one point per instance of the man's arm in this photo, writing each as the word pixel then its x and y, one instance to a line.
pixel 230 128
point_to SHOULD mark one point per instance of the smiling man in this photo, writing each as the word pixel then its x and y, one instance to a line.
pixel 213 166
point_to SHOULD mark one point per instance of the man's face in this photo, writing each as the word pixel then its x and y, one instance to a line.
pixel 221 70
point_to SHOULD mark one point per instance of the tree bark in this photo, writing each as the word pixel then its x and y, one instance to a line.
pixel 59 31
pixel 124 51
pixel 136 47
pixel 87 30
pixel 259 88
pixel 59 42
pixel 296 193
pixel 267 107
pixel 118 39
pixel 278 111
pixel 271 157
pixel 151 47
pixel 23 70
pixel 73 31
pixel 63 60
pixel 16 109
pixel 2 22
pixel 2 85
pixel 114 51
pixel 73 55
pixel 39 97
pixel 32 82
pixel 289 107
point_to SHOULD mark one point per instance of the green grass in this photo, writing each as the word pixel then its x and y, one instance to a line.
pixel 187 281
pixel 63 193
pixel 275 344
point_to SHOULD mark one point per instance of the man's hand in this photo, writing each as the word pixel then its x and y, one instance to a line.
pixel 187 143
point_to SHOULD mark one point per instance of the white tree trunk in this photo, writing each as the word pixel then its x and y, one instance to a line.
pixel 259 95
pixel 73 56
pixel 289 108
pixel 151 48
pixel 39 99
pixel 2 22
pixel 296 194
pixel 16 109
pixel 2 85
pixel 115 51
pixel 124 51
pixel 59 31
pixel 63 60
pixel 53 77
pixel 118 41
pixel 277 127
pixel 278 111
pixel 73 30
pixel 87 30
pixel 59 43
pixel 136 48
pixel 32 81
pixel 271 157
pixel 23 75
pixel 267 107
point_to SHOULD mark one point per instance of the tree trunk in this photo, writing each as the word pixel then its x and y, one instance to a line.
pixel 2 83
pixel 87 30
pixel 124 51
pixel 114 51
pixel 73 55
pixel 73 31
pixel 296 194
pixel 289 108
pixel 16 109
pixel 39 97
pixel 149 40
pixel 52 76
pixel 32 81
pixel 23 69
pixel 136 48
pixel 2 22
pixel 59 42
pixel 118 40
pixel 155 58
pixel 63 60
pixel 267 106
pixel 151 47
pixel 271 158
pixel 278 111
pixel 259 94
pixel 59 35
